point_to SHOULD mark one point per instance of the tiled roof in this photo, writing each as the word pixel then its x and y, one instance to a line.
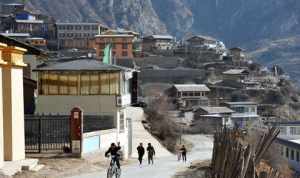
pixel 235 71
pixel 241 103
pixel 166 37
pixel 216 110
pixel 82 64
pixel 192 87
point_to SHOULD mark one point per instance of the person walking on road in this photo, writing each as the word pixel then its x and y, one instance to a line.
pixel 141 152
pixel 183 153
pixel 151 153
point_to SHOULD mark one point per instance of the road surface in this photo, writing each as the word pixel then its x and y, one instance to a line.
pixel 164 167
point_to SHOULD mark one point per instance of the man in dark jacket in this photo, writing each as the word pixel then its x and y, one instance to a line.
pixel 183 153
pixel 141 152
pixel 151 153
pixel 113 151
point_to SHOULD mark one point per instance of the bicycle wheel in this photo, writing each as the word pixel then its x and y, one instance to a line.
pixel 109 173
pixel 118 173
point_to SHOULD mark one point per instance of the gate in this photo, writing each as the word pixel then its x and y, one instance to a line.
pixel 47 134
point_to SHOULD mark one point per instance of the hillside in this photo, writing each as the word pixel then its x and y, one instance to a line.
pixel 236 22
pixel 284 52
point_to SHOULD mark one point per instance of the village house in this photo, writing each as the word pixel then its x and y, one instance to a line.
pixel 122 44
pixel 245 112
pixel 237 55
pixel 289 141
pixel 158 42
pixel 96 87
pixel 200 40
pixel 189 95
pixel 12 138
pixel 214 116
pixel 40 43
pixel 99 89
pixel 77 35
pixel 238 75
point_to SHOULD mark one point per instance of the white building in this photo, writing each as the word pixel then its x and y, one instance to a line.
pixel 289 140
pixel 158 42
pixel 97 88
pixel 245 112
pixel 189 95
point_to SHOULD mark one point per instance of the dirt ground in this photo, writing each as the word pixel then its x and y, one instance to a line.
pixel 59 166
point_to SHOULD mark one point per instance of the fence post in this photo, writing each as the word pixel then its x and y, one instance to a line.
pixel 76 130
pixel 40 133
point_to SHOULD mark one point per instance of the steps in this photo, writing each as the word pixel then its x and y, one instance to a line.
pixel 10 168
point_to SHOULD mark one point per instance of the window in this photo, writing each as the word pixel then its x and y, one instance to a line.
pixel 197 94
pixel 43 83
pixel 297 156
pixel 124 53
pixel 184 93
pixel 124 46
pixel 294 130
pixel 104 77
pixel 287 152
pixel 84 84
pixel 283 130
pixel 282 151
pixel 95 84
pixel 114 83
pixel 101 46
pixel 122 120
pixel 292 155
pixel 53 83
pixel 91 83
pixel 239 109
pixel 114 46
pixel 73 84
pixel 63 84
pixel 191 94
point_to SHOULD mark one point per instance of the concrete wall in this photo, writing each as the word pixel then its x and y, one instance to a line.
pixel 1 121
pixel 13 109
pixel 63 104
pixel 13 112
pixel 101 140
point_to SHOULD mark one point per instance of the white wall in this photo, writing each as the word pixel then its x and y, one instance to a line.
pixel 62 104
pixel 1 121
pixel 18 114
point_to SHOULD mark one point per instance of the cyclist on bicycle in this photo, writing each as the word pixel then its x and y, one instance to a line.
pixel 113 151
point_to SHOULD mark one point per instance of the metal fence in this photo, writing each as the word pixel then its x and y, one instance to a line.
pixel 51 133
pixel 96 123
pixel 47 133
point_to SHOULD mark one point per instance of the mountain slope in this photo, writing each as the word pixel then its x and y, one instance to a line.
pixel 236 22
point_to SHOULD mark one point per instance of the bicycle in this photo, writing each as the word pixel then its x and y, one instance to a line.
pixel 113 169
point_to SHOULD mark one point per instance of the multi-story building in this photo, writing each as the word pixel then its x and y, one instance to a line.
pixel 12 8
pixel 37 42
pixel 97 88
pixel 158 42
pixel 214 116
pixel 190 95
pixel 238 75
pixel 122 44
pixel 78 35
pixel 245 112
pixel 289 141
pixel 238 56
pixel 199 40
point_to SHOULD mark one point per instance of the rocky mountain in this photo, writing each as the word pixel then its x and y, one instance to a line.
pixel 236 22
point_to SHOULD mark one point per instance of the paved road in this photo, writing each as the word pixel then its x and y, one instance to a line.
pixel 164 167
